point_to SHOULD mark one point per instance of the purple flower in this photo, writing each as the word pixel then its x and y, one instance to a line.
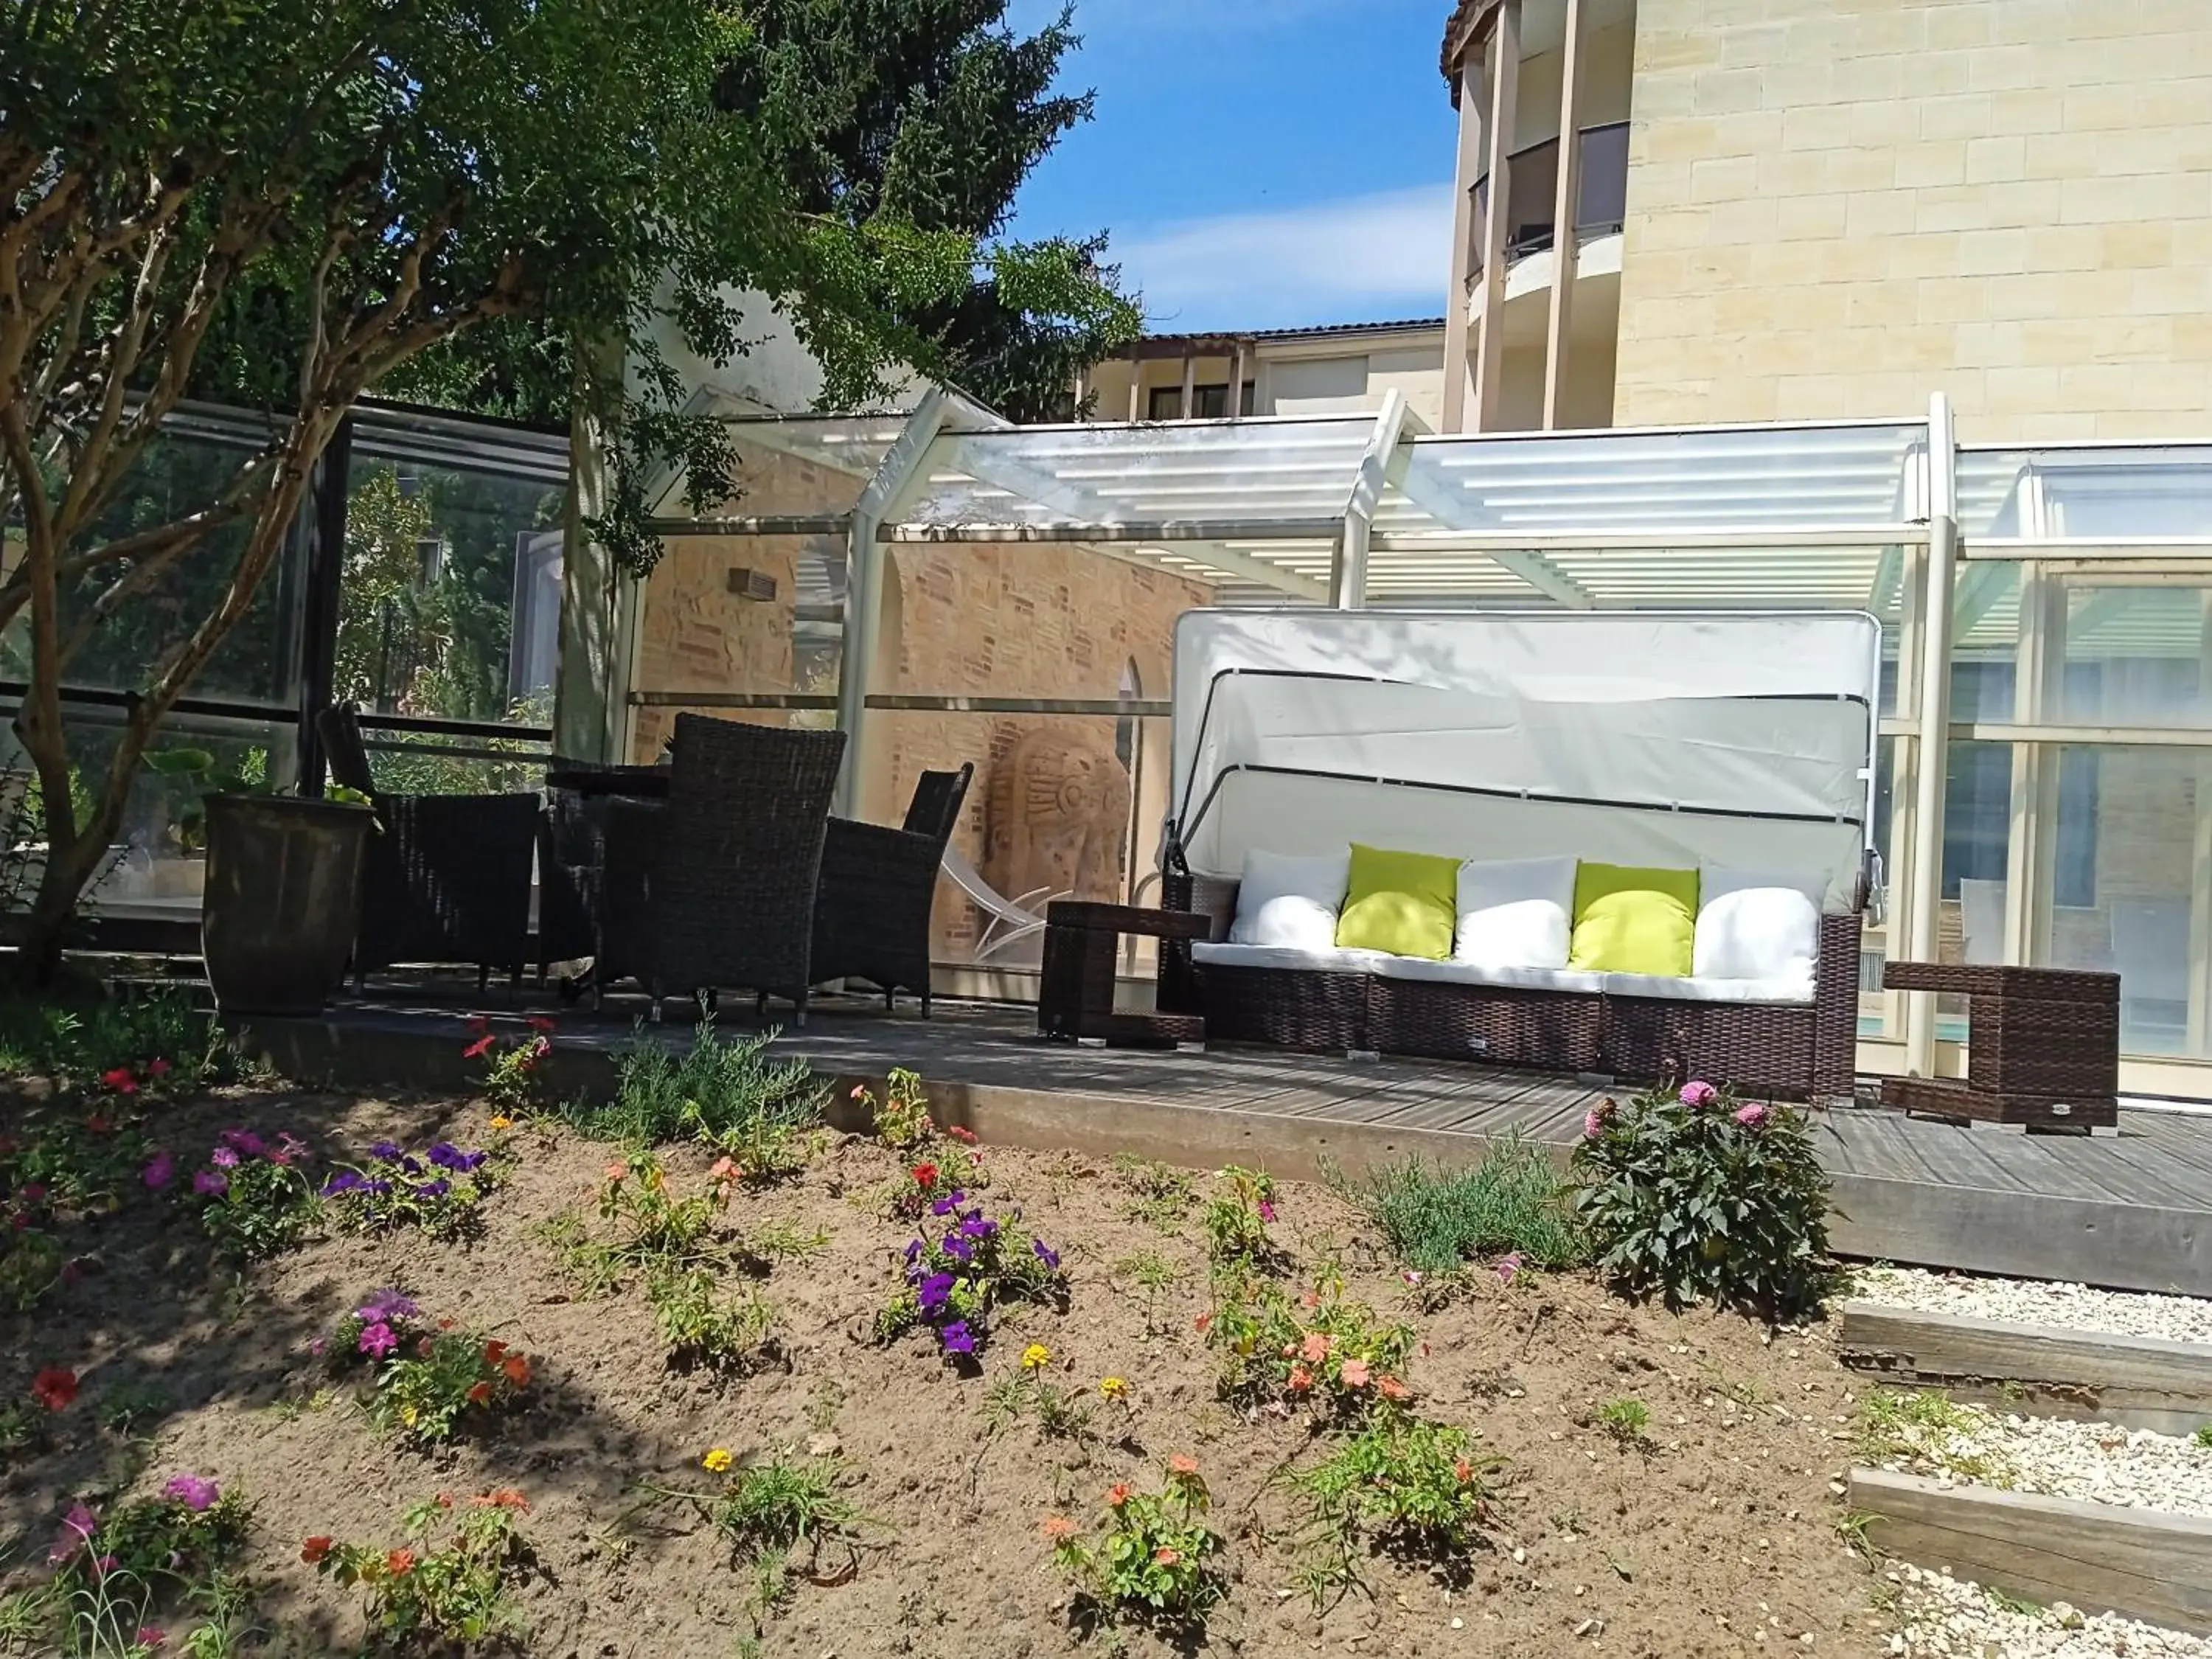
pixel 977 1227
pixel 915 1247
pixel 1750 1116
pixel 386 1152
pixel 447 1156
pixel 946 1205
pixel 958 1248
pixel 210 1183
pixel 245 1141
pixel 379 1189
pixel 411 1165
pixel 78 1528
pixel 344 1180
pixel 288 1147
pixel 1697 1093
pixel 223 1158
pixel 320 1347
pixel 437 1189
pixel 1046 1253
pixel 161 1171
pixel 387 1304
pixel 957 1338
pixel 1508 1265
pixel 377 1340
pixel 191 1491
pixel 935 1293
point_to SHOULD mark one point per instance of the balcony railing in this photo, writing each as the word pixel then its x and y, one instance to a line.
pixel 1601 200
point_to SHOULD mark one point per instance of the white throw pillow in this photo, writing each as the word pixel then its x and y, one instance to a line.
pixel 1754 924
pixel 1515 913
pixel 1291 903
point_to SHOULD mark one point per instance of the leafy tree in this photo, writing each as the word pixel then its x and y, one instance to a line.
pixel 319 195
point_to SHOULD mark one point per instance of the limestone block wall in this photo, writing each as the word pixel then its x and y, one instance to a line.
pixel 1836 207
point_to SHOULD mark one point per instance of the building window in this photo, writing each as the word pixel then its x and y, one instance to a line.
pixel 1208 403
pixel 1166 403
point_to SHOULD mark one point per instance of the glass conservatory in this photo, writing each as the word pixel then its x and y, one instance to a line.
pixel 950 589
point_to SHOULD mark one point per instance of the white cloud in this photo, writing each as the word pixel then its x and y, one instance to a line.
pixel 1358 259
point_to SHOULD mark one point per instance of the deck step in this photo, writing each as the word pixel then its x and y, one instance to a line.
pixel 2036 1371
pixel 2141 1564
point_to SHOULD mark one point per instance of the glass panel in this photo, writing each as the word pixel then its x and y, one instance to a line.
pixel 257 662
pixel 1060 806
pixel 2086 492
pixel 427 763
pixel 449 605
pixel 803 466
pixel 1256 472
pixel 157 865
pixel 2138 655
pixel 740 614
pixel 1695 484
pixel 2128 892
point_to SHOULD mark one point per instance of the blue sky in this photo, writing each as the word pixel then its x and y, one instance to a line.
pixel 1260 163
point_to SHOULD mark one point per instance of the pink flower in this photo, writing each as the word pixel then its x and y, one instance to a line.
pixel 157 1067
pixel 378 1340
pixel 1750 1116
pixel 223 1158
pixel 1267 1211
pixel 1699 1093
pixel 1508 1265
pixel 120 1080
pixel 151 1637
pixel 1354 1373
pixel 161 1171
pixel 1593 1125
pixel 480 1048
pixel 78 1528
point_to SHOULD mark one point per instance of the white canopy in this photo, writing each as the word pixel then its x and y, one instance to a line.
pixel 1653 738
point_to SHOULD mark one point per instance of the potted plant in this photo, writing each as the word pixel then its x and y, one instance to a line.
pixel 283 898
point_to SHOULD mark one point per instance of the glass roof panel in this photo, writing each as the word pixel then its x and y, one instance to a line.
pixel 1695 486
pixel 805 465
pixel 2086 492
pixel 1187 480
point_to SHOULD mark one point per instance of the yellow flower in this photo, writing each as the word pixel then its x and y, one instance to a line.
pixel 502 1122
pixel 1113 1387
pixel 408 1415
pixel 717 1461
pixel 654 1179
pixel 1036 1356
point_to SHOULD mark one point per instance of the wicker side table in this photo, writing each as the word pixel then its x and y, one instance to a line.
pixel 2043 1046
pixel 1082 942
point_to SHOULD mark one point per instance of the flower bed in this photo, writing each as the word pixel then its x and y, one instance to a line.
pixel 1439 1463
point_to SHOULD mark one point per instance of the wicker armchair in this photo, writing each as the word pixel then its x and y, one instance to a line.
pixel 446 878
pixel 878 886
pixel 715 889
pixel 572 850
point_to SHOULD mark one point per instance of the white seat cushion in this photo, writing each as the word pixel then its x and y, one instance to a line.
pixel 1291 904
pixel 1757 924
pixel 1330 961
pixel 1515 913
pixel 1472 973
pixel 1768 992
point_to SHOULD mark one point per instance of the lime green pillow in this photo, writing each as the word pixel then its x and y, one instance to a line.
pixel 1635 922
pixel 1406 903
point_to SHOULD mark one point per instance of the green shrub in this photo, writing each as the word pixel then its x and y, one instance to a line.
pixel 723 1094
pixel 1323 1350
pixel 1692 1197
pixel 447 1588
pixel 1511 1203
pixel 1410 1487
pixel 1152 1559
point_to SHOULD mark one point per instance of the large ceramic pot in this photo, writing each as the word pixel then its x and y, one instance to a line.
pixel 283 895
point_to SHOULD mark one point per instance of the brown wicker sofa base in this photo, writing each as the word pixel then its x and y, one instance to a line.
pixel 1806 1052
pixel 2043 1046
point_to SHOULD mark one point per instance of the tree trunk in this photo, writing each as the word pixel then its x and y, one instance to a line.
pixel 46 925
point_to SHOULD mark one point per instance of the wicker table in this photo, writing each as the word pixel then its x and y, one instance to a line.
pixel 1082 944
pixel 2043 1046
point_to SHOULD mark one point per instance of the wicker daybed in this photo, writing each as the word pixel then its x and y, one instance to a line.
pixel 1673 744
pixel 1804 1051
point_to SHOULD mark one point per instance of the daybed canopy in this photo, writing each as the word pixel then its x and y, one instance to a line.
pixel 1640 738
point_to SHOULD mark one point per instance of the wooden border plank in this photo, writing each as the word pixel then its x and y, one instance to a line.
pixel 2140 1381
pixel 2143 1564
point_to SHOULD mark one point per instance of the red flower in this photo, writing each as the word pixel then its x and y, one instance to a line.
pixel 54 1388
pixel 1165 1557
pixel 925 1175
pixel 445 1500
pixel 1117 1495
pixel 480 1022
pixel 518 1371
pixel 540 1022
pixel 1464 1470
pixel 98 1125
pixel 400 1563
pixel 422 1346
pixel 1204 1324
pixel 157 1067
pixel 506 1498
pixel 965 1137
pixel 495 1351
pixel 480 1048
pixel 120 1080
pixel 480 1393
pixel 316 1548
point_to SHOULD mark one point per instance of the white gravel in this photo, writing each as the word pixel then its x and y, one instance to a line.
pixel 1945 1616
pixel 2095 1462
pixel 2033 1302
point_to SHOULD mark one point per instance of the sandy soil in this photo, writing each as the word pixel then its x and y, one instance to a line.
pixel 1715 1537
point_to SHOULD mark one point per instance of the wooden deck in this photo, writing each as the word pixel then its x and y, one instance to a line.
pixel 2129 1210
